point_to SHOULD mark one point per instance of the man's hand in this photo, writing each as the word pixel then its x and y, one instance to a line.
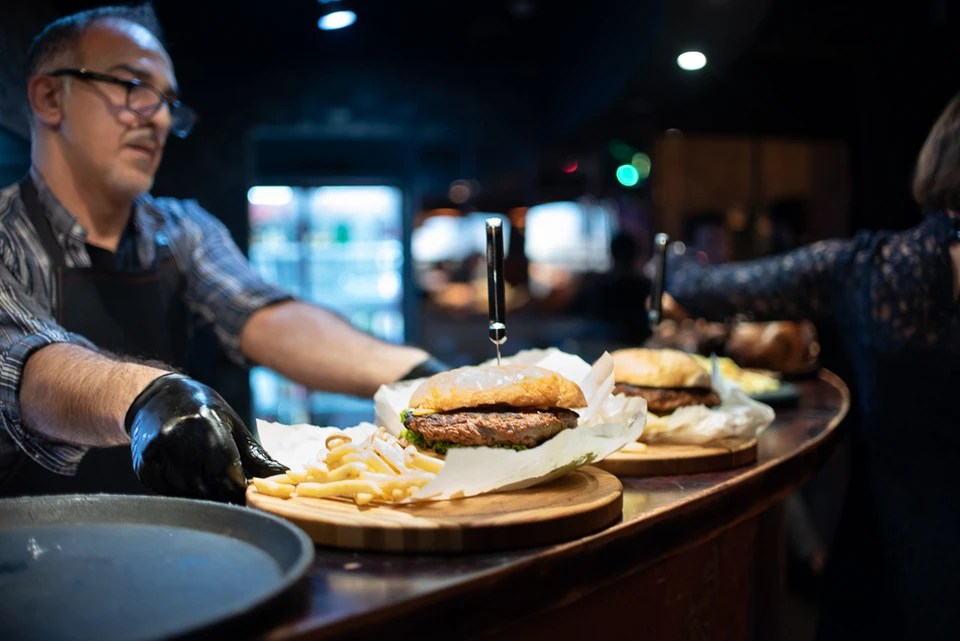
pixel 186 441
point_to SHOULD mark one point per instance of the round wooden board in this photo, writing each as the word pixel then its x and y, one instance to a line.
pixel 668 459
pixel 576 504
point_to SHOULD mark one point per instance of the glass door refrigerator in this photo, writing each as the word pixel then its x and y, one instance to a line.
pixel 339 246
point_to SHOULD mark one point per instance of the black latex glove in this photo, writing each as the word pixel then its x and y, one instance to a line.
pixel 425 369
pixel 186 441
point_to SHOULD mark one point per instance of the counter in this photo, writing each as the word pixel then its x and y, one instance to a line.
pixel 694 557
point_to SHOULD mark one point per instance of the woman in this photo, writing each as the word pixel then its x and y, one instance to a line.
pixel 895 570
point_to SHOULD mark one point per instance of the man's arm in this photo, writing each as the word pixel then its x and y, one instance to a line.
pixel 184 438
pixel 260 322
pixel 58 394
pixel 317 348
pixel 74 395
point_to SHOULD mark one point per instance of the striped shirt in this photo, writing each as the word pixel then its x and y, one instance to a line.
pixel 221 290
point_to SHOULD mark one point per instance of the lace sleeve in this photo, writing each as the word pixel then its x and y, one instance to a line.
pixel 797 285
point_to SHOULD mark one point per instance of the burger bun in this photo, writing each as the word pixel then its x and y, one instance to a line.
pixel 666 368
pixel 521 386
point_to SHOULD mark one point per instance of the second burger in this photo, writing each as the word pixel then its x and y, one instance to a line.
pixel 668 379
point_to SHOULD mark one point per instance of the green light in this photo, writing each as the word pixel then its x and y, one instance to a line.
pixel 628 175
pixel 642 162
pixel 621 150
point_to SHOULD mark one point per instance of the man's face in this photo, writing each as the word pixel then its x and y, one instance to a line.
pixel 99 136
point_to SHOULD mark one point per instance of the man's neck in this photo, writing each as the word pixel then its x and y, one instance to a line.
pixel 103 216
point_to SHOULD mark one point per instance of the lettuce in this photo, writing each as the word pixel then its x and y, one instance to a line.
pixel 441 447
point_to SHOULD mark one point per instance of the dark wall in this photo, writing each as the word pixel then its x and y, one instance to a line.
pixel 425 124
pixel 19 21
pixel 14 157
pixel 873 77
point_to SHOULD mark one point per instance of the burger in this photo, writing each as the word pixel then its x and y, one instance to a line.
pixel 667 378
pixel 508 406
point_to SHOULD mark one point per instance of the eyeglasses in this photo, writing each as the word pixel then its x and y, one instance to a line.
pixel 142 99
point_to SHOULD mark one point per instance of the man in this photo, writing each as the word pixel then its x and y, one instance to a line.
pixel 96 275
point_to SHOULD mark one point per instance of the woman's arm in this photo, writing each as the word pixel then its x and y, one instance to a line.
pixel 800 284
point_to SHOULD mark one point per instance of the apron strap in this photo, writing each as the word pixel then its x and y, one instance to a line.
pixel 28 194
pixel 31 202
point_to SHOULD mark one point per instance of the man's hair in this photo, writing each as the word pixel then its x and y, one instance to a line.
pixel 61 35
pixel 936 181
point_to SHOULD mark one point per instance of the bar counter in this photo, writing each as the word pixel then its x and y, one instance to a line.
pixel 694 557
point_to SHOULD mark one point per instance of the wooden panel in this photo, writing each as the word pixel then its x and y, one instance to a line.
pixel 718 173
pixel 579 503
pixel 784 169
pixel 668 185
pixel 830 190
pixel 668 459
pixel 699 594
pixel 696 172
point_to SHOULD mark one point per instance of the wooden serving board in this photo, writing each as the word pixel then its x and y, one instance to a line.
pixel 668 459
pixel 576 504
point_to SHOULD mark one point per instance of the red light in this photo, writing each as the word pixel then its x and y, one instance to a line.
pixel 570 167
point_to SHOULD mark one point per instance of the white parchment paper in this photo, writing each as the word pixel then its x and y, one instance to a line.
pixel 738 416
pixel 606 425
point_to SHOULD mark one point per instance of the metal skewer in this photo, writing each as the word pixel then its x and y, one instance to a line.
pixel 495 286
pixel 655 315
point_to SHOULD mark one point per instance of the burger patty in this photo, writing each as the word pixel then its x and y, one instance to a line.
pixel 664 400
pixel 493 426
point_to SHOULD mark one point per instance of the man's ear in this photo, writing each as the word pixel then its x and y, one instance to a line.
pixel 46 99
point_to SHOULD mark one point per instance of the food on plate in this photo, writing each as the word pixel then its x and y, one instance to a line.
pixel 782 346
pixel 750 382
pixel 378 468
pixel 668 379
pixel 510 406
pixel 633 448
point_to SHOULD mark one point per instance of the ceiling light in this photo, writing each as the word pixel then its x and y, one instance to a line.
pixel 337 20
pixel 691 60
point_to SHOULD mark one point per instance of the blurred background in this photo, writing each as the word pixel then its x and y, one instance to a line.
pixel 356 165
pixel 355 147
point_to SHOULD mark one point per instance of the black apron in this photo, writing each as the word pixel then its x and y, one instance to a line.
pixel 139 313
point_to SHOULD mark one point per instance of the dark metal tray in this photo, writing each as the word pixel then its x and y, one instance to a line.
pixel 142 567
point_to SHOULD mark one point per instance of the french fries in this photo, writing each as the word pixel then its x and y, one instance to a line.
pixel 377 469
pixel 750 382
pixel 633 448
pixel 274 486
